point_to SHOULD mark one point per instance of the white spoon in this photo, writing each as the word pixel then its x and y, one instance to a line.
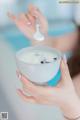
pixel 38 35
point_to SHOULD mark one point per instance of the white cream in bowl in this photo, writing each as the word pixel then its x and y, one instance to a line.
pixel 38 63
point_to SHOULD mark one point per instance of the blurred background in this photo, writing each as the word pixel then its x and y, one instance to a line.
pixel 11 40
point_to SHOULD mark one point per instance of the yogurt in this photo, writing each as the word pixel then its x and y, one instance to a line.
pixel 38 57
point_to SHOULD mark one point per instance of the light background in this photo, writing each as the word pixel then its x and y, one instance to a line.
pixel 12 40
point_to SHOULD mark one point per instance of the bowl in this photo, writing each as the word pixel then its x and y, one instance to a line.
pixel 39 73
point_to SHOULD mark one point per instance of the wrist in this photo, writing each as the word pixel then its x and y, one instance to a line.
pixel 72 108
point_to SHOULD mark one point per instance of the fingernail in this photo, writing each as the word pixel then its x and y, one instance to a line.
pixel 64 58
pixel 62 63
pixel 19 75
pixel 28 23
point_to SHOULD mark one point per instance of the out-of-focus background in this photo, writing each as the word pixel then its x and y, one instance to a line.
pixel 11 40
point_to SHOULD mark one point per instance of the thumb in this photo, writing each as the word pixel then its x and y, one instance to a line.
pixel 65 75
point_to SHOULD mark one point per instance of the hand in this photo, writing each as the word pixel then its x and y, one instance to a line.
pixel 26 22
pixel 62 95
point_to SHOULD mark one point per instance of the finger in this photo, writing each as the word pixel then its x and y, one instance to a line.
pixel 64 58
pixel 24 18
pixel 12 17
pixel 31 99
pixel 25 97
pixel 16 20
pixel 19 75
pixel 25 81
pixel 35 12
pixel 31 18
pixel 28 85
pixel 34 89
pixel 26 90
pixel 42 20
pixel 64 70
pixel 32 7
pixel 38 91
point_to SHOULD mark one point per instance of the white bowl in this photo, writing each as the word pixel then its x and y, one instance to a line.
pixel 38 73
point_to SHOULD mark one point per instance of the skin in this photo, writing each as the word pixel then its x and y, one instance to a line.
pixel 66 90
pixel 76 81
pixel 26 24
pixel 61 95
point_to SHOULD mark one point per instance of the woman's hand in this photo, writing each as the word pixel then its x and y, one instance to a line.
pixel 62 95
pixel 26 22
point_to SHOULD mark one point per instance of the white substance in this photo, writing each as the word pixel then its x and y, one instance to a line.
pixel 38 56
pixel 38 35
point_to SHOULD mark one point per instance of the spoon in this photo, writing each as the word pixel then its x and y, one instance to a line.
pixel 38 35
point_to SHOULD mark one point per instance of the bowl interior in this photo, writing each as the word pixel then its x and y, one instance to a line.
pixel 23 52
